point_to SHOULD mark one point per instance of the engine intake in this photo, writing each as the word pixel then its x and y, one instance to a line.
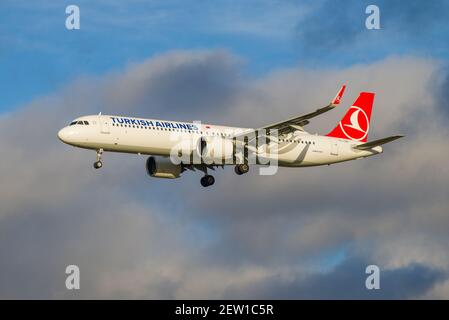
pixel 162 167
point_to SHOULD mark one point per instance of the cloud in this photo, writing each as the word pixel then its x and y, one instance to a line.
pixel 346 281
pixel 180 82
pixel 337 30
pixel 136 237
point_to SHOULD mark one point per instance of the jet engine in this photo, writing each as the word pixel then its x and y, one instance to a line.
pixel 215 149
pixel 162 167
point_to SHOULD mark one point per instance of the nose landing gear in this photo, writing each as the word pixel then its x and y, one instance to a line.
pixel 98 164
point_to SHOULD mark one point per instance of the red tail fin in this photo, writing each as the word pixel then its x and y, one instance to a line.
pixel 355 123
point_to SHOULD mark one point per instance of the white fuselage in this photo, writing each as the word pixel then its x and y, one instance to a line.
pixel 156 137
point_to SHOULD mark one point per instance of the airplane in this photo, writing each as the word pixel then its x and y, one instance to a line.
pixel 216 146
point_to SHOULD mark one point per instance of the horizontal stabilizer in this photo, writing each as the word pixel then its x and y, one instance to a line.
pixel 376 143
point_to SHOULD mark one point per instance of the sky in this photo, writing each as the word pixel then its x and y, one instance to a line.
pixel 303 233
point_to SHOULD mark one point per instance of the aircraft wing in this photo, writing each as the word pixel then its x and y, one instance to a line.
pixel 375 143
pixel 297 123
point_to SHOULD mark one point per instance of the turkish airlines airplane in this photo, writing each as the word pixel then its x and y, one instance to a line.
pixel 175 147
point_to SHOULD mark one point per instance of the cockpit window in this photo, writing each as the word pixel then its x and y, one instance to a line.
pixel 79 122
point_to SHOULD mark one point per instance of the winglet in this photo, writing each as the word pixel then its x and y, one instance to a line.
pixel 339 95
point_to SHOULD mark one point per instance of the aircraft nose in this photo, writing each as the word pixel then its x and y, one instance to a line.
pixel 64 135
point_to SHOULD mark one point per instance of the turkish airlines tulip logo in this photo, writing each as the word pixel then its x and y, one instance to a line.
pixel 337 100
pixel 355 125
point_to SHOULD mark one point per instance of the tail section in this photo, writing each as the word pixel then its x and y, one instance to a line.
pixel 355 123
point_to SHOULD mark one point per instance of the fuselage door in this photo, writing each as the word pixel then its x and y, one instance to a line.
pixel 104 124
pixel 334 148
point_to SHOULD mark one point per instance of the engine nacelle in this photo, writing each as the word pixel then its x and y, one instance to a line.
pixel 209 150
pixel 162 167
pixel 215 149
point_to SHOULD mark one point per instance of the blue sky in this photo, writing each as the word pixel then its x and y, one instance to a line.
pixel 38 55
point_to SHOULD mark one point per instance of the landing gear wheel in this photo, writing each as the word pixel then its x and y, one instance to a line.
pixel 241 168
pixel 98 164
pixel 207 180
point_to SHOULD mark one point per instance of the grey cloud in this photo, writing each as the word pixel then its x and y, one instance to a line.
pixel 396 110
pixel 185 84
pixel 441 91
pixel 397 198
pixel 139 237
pixel 56 212
pixel 346 281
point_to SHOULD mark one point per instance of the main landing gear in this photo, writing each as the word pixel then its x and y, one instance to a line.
pixel 241 168
pixel 98 164
pixel 207 180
